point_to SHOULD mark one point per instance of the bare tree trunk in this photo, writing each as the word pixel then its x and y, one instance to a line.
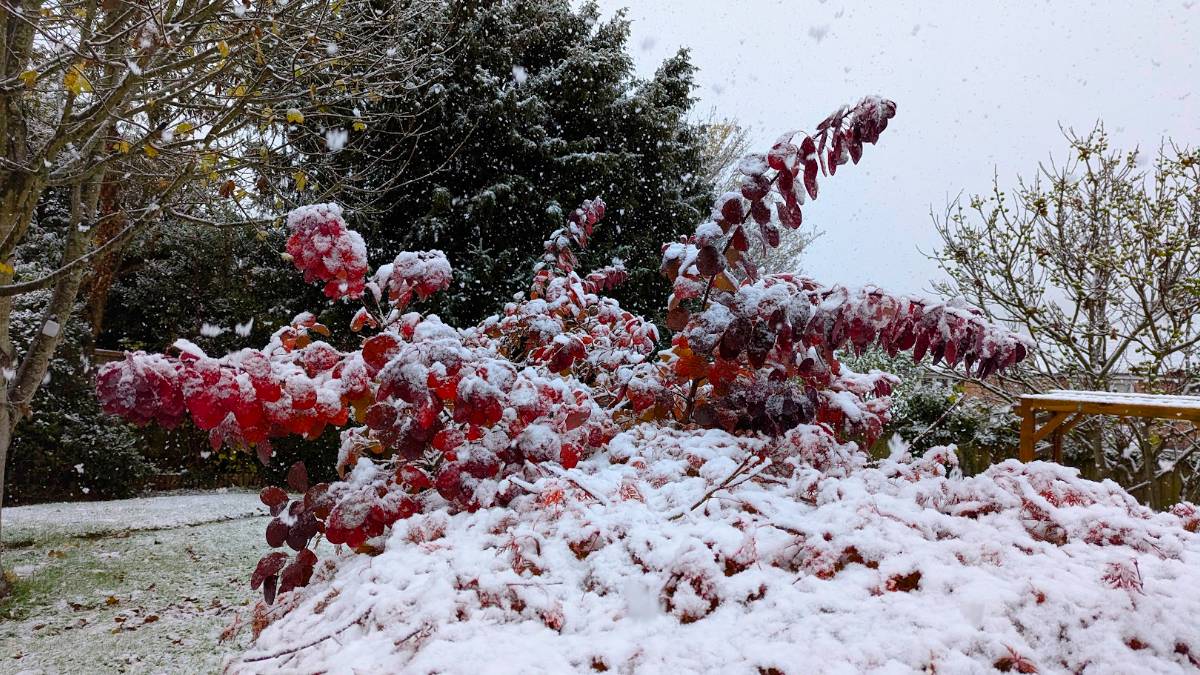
pixel 5 440
pixel 17 389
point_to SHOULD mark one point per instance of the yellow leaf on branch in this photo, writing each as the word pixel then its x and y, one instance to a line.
pixel 75 81
pixel 301 180
pixel 29 77
pixel 294 116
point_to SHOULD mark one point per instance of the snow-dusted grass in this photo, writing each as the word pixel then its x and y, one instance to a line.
pixel 139 585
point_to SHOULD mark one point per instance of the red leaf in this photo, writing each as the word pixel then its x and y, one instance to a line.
pixel 268 566
pixel 677 319
pixel 731 208
pixel 277 532
pixel 781 155
pixel 810 178
pixel 709 261
pixel 577 418
pixel 755 187
pixel 269 589
pixel 760 212
pixel 270 496
pixel 377 350
pixel 740 242
pixel 790 215
pixel 297 477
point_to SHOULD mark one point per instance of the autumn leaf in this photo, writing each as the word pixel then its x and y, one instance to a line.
pixel 724 283
pixel 301 180
pixel 689 365
pixel 29 77
pixel 75 81
pixel 294 116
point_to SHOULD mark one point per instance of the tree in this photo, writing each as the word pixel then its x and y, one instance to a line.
pixel 132 111
pixel 70 449
pixel 1096 259
pixel 540 109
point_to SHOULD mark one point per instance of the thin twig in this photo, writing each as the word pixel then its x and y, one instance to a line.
pixel 562 473
pixel 312 643
pixel 746 463
pixel 938 421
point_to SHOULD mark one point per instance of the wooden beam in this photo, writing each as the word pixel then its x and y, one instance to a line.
pixel 1153 410
pixel 1051 424
pixel 1067 409
pixel 1028 424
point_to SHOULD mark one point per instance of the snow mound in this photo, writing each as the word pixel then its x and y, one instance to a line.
pixel 803 562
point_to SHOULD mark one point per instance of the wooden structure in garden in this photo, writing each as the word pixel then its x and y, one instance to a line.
pixel 1067 408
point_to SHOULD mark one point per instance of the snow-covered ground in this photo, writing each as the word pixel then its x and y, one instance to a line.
pixel 91 519
pixel 133 586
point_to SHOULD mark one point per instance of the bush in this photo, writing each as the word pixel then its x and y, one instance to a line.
pixel 70 450
pixel 927 414
pixel 541 489
pixel 531 490
pixel 938 415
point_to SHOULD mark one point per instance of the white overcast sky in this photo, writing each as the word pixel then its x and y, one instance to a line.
pixel 980 87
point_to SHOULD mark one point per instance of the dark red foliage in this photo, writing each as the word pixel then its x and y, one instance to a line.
pixel 455 419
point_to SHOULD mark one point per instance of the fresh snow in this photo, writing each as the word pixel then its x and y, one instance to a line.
pixel 129 586
pixel 825 563
pixel 1117 398
pixel 90 519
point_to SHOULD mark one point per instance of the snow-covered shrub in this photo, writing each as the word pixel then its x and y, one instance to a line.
pixel 544 493
pixel 823 564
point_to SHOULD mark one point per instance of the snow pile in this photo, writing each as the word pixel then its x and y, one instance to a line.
pixel 700 551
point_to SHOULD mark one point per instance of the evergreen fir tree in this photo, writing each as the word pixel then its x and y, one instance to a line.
pixel 539 110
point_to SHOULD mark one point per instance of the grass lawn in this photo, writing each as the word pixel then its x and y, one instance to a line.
pixel 131 586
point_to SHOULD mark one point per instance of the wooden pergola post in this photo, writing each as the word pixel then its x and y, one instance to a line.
pixel 1067 408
